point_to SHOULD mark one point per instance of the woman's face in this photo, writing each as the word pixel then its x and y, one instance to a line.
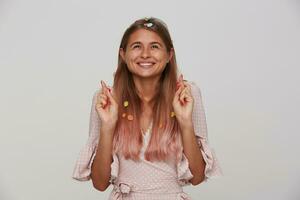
pixel 146 54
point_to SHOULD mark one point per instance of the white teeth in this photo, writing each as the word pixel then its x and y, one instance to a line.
pixel 146 64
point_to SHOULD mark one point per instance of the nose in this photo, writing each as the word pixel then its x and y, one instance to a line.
pixel 145 53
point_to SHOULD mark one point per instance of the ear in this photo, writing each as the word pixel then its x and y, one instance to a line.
pixel 122 53
pixel 171 53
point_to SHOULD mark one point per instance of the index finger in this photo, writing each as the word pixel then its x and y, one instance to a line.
pixel 104 87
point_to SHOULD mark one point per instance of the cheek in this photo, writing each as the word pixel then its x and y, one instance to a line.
pixel 161 56
pixel 132 55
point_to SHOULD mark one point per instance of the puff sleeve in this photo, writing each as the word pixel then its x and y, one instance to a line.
pixel 82 169
pixel 212 167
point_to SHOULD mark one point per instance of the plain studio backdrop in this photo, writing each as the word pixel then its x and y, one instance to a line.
pixel 244 56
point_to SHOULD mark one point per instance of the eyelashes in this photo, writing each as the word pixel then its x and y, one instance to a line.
pixel 138 46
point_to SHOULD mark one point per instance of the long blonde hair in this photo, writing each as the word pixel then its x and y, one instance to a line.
pixel 165 136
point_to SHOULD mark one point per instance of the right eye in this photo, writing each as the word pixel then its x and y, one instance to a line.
pixel 136 46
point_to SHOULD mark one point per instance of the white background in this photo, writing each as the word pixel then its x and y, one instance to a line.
pixel 244 56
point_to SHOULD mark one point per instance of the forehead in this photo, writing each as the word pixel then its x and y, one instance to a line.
pixel 144 36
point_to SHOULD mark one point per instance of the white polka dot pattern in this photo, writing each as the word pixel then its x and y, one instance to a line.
pixel 144 179
pixel 147 180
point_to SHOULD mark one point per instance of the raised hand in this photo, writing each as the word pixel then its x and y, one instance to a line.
pixel 107 107
pixel 183 101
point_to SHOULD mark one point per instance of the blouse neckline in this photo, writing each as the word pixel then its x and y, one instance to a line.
pixel 148 130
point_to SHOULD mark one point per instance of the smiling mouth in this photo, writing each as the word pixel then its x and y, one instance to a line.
pixel 146 65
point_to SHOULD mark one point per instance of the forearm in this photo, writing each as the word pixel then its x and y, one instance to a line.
pixel 193 153
pixel 101 167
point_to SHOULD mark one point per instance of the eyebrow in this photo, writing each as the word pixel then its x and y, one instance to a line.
pixel 138 42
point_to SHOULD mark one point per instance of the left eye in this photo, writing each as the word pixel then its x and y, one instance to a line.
pixel 155 46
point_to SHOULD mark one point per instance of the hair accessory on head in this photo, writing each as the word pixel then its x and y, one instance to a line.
pixel 148 24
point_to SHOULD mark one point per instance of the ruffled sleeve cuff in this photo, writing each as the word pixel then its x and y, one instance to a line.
pixel 82 169
pixel 212 166
pixel 114 169
pixel 83 166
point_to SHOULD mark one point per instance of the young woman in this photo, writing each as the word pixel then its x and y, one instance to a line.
pixel 148 134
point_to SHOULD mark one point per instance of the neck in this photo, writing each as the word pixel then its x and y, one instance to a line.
pixel 146 89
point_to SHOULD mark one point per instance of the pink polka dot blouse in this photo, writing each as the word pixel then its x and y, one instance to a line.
pixel 149 180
